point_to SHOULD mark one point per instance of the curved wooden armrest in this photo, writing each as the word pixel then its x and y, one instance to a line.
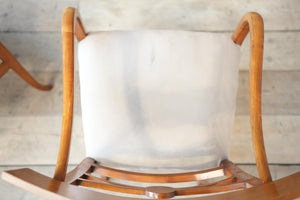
pixel 71 24
pixel 253 23
pixel 285 188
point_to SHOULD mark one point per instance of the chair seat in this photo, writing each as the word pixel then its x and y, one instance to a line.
pixel 158 99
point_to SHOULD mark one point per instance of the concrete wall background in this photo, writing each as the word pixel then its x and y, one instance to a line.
pixel 30 120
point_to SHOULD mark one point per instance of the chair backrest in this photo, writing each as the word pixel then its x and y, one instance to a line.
pixel 158 99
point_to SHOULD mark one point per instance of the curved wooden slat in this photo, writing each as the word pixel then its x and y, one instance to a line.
pixel 68 31
pixel 232 170
pixel 223 182
pixel 114 188
pixel 158 192
pixel 89 176
pixel 209 189
pixel 3 69
pixel 253 22
pixel 87 179
pixel 79 28
pixel 10 62
pixel 285 188
pixel 68 93
pixel 158 178
pixel 226 185
pixel 82 168
pixel 178 191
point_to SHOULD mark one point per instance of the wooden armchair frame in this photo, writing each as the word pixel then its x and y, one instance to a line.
pixel 10 62
pixel 89 173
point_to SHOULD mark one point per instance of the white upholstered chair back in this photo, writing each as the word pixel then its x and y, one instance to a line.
pixel 158 99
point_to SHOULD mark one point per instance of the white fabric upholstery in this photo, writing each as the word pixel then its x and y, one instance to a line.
pixel 158 99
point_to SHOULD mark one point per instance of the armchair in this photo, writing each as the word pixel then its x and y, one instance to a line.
pixel 157 95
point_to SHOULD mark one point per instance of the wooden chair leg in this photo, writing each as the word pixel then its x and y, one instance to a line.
pixel 3 69
pixel 10 62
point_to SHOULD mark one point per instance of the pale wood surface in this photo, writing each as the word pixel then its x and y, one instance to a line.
pixel 280 94
pixel 27 39
pixel 29 49
pixel 8 61
pixel 205 178
pixel 19 194
pixel 187 14
pixel 68 93
pixel 20 115
pixel 10 192
pixel 42 15
pixel 46 16
pixel 252 24
pixel 50 188
pixel 281 50
pixel 16 98
pixel 281 139
pixel 281 107
pixel 281 135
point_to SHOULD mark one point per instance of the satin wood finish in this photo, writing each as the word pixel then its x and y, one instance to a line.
pixel 285 188
pixel 71 24
pixel 227 177
pixel 68 93
pixel 10 62
pixel 89 173
pixel 254 23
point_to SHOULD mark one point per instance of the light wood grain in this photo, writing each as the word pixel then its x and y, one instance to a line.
pixel 16 96
pixel 89 168
pixel 19 194
pixel 281 51
pixel 40 15
pixel 281 138
pixel 252 23
pixel 67 29
pixel 51 188
pixel 46 16
pixel 10 192
pixel 186 14
pixel 281 135
pixel 281 128
pixel 280 94
pixel 36 149
pixel 280 89
pixel 44 125
pixel 30 50
pixel 8 61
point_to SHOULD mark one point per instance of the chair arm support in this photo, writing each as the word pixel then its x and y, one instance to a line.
pixel 253 23
pixel 71 24
pixel 68 93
